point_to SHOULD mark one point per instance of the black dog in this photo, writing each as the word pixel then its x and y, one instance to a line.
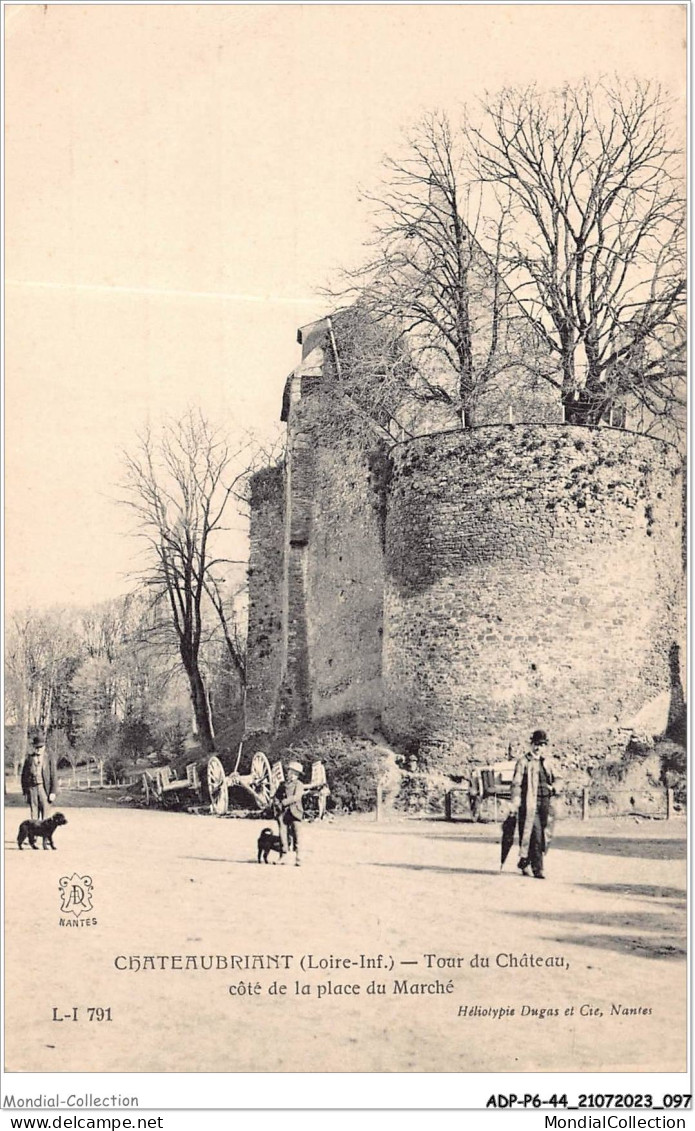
pixel 269 841
pixel 30 830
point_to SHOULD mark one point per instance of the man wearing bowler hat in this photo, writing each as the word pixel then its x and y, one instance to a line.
pixel 290 799
pixel 533 786
pixel 38 779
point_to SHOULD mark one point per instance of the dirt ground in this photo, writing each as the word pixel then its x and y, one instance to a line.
pixel 611 911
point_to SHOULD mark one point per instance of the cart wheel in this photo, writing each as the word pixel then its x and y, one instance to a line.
pixel 217 786
pixel 260 778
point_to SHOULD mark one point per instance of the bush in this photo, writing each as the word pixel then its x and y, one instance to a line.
pixel 422 793
pixel 173 742
pixel 353 767
pixel 135 738
pixel 115 771
pixel 674 766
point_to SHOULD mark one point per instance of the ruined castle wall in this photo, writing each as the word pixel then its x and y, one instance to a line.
pixel 345 579
pixel 265 641
pixel 533 579
pixel 300 480
pixel 316 572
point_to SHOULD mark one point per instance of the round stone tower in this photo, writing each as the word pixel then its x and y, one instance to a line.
pixel 533 579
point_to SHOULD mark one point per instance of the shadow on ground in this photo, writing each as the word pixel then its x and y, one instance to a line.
pixel 639 921
pixel 640 891
pixel 645 848
pixel 220 859
pixel 667 938
pixel 432 868
pixel 637 947
pixel 78 799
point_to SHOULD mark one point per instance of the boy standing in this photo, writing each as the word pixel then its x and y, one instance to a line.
pixel 290 798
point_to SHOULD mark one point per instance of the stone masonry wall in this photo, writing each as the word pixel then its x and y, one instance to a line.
pixel 294 706
pixel 345 585
pixel 265 645
pixel 533 579
pixel 317 575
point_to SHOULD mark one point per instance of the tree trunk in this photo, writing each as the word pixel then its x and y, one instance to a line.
pixel 199 701
pixel 208 699
pixel 23 734
pixel 47 705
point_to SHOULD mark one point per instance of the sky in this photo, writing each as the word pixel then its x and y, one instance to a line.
pixel 180 182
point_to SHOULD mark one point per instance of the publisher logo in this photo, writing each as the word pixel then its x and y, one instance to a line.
pixel 76 899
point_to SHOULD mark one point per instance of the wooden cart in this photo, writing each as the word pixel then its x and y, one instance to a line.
pixel 485 788
pixel 207 785
pixel 490 783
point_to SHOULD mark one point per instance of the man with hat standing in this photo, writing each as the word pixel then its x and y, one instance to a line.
pixel 38 779
pixel 533 786
pixel 290 799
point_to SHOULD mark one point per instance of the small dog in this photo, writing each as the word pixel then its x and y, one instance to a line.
pixel 269 841
pixel 30 830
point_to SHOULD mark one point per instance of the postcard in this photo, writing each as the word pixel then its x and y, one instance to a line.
pixel 345 685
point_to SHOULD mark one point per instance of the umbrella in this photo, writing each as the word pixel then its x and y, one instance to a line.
pixel 508 831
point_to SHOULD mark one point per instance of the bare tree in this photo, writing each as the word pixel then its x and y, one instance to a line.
pixel 181 487
pixel 597 254
pixel 234 639
pixel 42 651
pixel 120 654
pixel 429 284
